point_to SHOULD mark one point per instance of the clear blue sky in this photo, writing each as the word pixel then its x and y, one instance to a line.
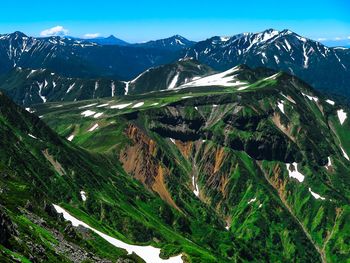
pixel 137 21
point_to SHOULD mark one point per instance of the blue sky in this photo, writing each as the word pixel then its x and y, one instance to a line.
pixel 137 21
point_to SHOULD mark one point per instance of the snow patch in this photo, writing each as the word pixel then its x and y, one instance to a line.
pixel 120 106
pixel 70 88
pixel 93 128
pixel 252 200
pixel 281 106
pixel 102 105
pixel 330 102
pixel 97 115
pixel 138 105
pixel 295 173
pixel 88 113
pixel 226 79
pixel 345 154
pixel 317 196
pixel 83 195
pixel 341 116
pixel 195 186
pixel 32 136
pixel 147 253
pixel 172 84
pixel 71 137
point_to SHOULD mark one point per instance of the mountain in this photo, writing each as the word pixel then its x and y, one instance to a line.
pixel 168 76
pixel 255 160
pixel 105 41
pixel 173 43
pixel 324 68
pixel 43 175
pixel 77 58
pixel 27 87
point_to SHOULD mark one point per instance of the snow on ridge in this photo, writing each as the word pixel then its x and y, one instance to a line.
pixel 174 81
pixel 120 106
pixel 330 102
pixel 295 174
pixel 93 128
pixel 310 97
pixel 315 195
pixel 88 113
pixel 102 105
pixel 224 39
pixel 147 253
pixel 341 116
pixel 274 76
pixel 138 105
pixel 225 79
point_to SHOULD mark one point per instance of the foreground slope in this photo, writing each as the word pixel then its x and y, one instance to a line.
pixel 265 152
pixel 42 174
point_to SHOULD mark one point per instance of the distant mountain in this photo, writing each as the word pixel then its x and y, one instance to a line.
pixel 106 41
pixel 173 43
pixel 27 87
pixel 77 58
pixel 324 68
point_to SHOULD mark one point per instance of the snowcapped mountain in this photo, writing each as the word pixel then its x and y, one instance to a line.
pixel 322 67
pixel 168 76
pixel 79 58
pixel 173 43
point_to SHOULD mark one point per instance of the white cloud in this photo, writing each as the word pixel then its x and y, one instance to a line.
pixel 338 38
pixel 54 31
pixel 348 37
pixel 322 39
pixel 92 35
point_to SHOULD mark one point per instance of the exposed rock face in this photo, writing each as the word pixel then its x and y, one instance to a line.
pixel 143 160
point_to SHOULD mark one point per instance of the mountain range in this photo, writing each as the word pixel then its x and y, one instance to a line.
pixel 324 68
pixel 173 151
pixel 241 165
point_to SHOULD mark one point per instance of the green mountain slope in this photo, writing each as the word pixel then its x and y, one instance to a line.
pixel 39 168
pixel 258 154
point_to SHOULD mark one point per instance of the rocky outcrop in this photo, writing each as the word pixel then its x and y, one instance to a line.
pixel 7 228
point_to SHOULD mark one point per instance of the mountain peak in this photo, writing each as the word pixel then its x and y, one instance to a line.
pixel 18 34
